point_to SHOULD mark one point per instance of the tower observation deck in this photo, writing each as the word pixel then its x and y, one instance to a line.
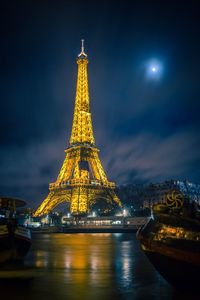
pixel 82 180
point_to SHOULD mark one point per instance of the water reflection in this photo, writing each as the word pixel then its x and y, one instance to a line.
pixel 89 266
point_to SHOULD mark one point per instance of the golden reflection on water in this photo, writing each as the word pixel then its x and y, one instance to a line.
pixel 77 251
pixel 85 257
pixel 81 260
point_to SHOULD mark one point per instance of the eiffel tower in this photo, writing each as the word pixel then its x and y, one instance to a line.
pixel 82 180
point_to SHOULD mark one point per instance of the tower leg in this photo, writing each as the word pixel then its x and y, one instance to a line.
pixel 53 199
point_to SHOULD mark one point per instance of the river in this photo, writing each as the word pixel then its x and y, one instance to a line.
pixel 88 266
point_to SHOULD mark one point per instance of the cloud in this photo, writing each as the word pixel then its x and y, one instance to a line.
pixel 26 171
pixel 147 157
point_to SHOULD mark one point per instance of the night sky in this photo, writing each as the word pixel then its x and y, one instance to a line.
pixel 146 125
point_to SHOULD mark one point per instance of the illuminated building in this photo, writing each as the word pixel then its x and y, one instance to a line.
pixel 155 193
pixel 82 180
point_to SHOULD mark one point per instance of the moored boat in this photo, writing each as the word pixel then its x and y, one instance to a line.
pixel 15 240
pixel 171 240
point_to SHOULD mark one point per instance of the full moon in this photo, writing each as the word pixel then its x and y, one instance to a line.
pixel 154 69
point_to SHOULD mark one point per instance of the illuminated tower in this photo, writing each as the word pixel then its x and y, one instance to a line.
pixel 82 180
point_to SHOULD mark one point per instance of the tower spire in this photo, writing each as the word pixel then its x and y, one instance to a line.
pixel 82 131
pixel 82 54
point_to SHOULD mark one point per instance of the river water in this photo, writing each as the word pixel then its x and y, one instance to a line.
pixel 88 266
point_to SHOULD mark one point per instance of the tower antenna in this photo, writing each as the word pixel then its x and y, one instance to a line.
pixel 82 46
pixel 82 49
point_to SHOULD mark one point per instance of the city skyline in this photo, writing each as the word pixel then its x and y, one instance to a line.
pixel 147 127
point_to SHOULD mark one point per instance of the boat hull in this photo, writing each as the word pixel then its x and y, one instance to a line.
pixel 14 244
pixel 181 274
pixel 176 259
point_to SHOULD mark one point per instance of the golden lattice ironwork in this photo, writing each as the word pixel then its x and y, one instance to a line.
pixel 82 180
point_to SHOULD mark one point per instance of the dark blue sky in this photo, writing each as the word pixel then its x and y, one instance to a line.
pixel 147 130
